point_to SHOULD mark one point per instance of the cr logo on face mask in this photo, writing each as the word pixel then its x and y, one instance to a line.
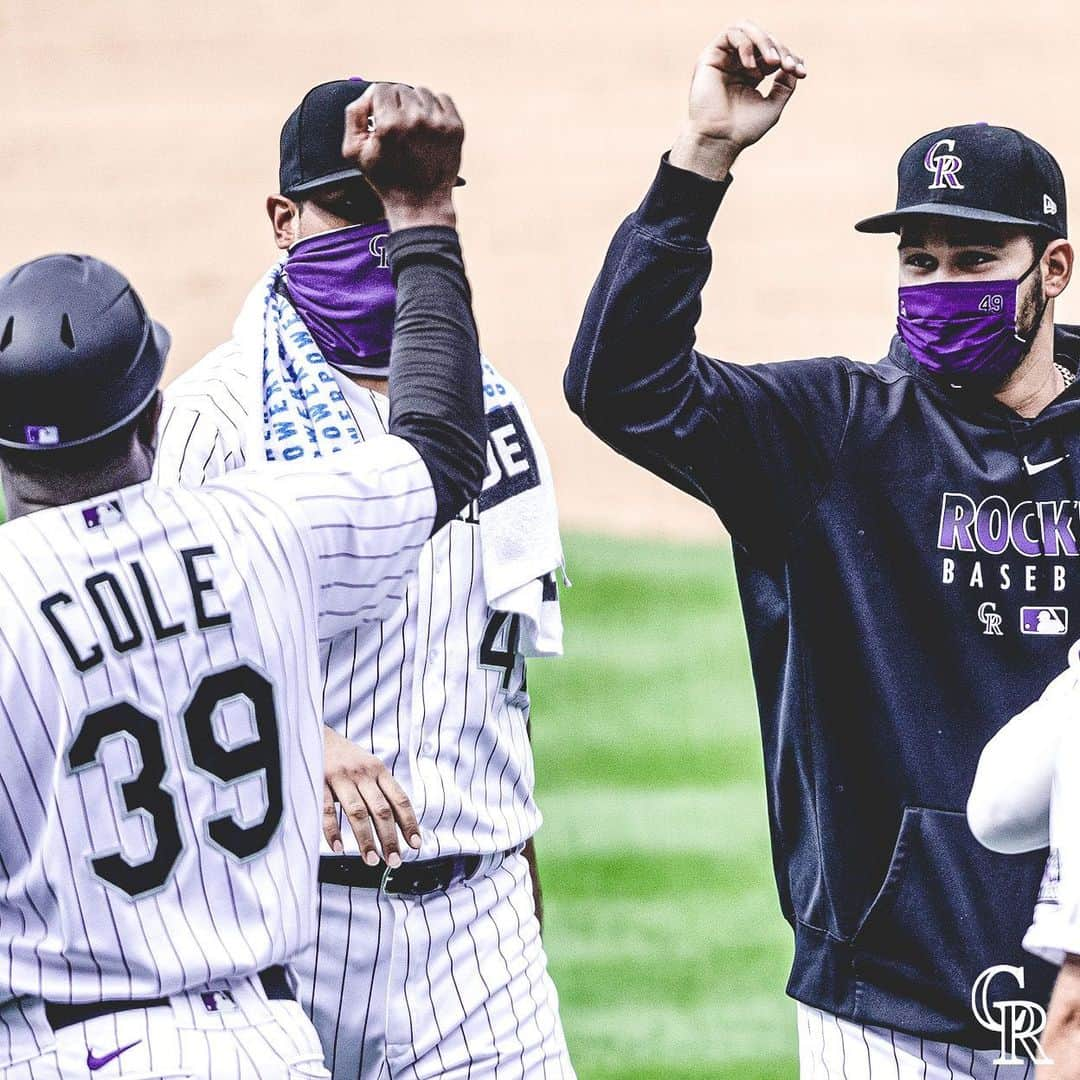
pixel 944 163
pixel 1019 1022
pixel 377 247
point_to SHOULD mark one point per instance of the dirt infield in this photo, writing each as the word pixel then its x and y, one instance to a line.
pixel 146 132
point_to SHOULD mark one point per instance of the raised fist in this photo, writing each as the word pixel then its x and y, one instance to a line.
pixel 727 110
pixel 407 143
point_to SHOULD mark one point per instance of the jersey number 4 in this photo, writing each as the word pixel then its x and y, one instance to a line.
pixel 145 792
pixel 499 651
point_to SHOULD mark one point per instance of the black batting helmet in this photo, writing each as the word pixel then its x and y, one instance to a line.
pixel 79 356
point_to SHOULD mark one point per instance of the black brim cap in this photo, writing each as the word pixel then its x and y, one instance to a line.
pixel 311 138
pixel 977 172
pixel 894 220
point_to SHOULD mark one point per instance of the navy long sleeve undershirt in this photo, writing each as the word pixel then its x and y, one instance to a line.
pixel 436 389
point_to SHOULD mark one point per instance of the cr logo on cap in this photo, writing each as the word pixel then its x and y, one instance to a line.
pixel 941 159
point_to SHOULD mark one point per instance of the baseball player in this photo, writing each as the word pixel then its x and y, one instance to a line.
pixel 435 966
pixel 904 532
pixel 160 688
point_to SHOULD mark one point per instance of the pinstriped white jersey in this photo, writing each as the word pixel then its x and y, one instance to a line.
pixel 437 691
pixel 160 707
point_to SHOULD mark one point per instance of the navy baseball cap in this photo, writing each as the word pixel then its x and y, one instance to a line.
pixel 980 173
pixel 312 136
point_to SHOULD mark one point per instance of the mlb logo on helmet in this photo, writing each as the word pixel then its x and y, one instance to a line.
pixel 42 436
pixel 943 161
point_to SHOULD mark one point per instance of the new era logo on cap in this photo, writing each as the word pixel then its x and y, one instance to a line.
pixel 1049 206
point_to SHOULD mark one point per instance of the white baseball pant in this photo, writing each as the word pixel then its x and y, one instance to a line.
pixel 227 1031
pixel 453 984
pixel 27 1043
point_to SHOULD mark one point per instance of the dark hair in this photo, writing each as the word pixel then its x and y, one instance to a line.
pixel 1040 241
pixel 354 201
pixel 96 456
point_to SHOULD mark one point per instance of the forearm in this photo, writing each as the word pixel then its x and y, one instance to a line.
pixel 633 376
pixel 640 317
pixel 436 393
pixel 1061 1040
pixel 640 320
pixel 703 154
pixel 1009 806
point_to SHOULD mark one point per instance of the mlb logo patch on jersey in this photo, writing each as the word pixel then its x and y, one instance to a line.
pixel 106 513
pixel 219 1001
pixel 1044 620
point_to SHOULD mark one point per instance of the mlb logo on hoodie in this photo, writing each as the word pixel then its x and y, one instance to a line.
pixel 1044 620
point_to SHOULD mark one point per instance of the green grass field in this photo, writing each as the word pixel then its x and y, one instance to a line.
pixel 663 927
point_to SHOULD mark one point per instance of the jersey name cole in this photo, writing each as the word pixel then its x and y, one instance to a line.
pixel 115 605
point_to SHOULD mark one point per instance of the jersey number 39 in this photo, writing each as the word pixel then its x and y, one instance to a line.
pixel 145 792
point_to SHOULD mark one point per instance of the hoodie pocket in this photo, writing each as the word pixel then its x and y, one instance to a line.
pixel 947 910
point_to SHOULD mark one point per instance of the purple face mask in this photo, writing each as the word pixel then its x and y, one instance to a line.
pixel 341 286
pixel 965 331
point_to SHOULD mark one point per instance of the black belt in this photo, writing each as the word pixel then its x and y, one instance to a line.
pixel 414 878
pixel 275 983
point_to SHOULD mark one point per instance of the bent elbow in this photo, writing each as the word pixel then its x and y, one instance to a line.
pixel 474 471
pixel 574 384
pixel 593 372
pixel 984 821
pixel 591 400
pixel 464 480
pixel 993 821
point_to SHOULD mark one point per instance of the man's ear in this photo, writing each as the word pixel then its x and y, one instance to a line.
pixel 1057 263
pixel 284 216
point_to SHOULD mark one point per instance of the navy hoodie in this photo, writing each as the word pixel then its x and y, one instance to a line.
pixel 898 544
